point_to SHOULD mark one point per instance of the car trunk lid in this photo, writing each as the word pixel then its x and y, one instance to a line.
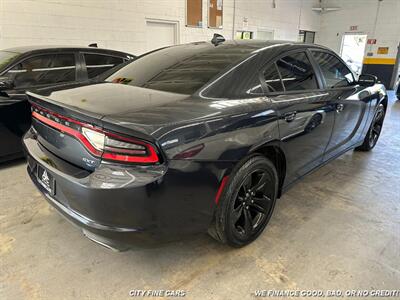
pixel 60 118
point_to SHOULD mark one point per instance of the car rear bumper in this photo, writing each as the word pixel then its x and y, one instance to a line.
pixel 119 206
pixel 111 237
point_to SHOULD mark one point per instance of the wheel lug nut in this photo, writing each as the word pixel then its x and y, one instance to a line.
pixel 247 207
pixel 252 201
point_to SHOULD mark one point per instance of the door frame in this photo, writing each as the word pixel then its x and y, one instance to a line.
pixel 167 21
pixel 342 43
pixel 396 69
pixel 265 30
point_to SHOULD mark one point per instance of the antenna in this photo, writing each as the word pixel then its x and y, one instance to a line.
pixel 94 45
pixel 217 39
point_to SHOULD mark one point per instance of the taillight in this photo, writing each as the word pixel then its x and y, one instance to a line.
pixel 100 143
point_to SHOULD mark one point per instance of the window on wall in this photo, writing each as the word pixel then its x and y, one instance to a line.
pixel 306 36
pixel 215 13
pixel 244 35
pixel 194 13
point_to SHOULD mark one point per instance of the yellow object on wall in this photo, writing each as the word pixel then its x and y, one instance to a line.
pixel 379 61
pixel 383 50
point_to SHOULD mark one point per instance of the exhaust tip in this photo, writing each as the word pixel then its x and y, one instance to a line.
pixel 104 242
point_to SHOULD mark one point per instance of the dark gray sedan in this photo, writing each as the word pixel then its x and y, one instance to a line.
pixel 35 67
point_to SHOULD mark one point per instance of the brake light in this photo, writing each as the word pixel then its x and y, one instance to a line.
pixel 100 143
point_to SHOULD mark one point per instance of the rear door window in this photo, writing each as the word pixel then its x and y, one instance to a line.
pixel 335 72
pixel 297 72
pixel 41 70
pixel 99 63
pixel 272 79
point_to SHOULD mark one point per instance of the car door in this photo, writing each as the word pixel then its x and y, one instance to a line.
pixel 305 120
pixel 349 102
pixel 36 71
pixel 98 63
pixel 14 121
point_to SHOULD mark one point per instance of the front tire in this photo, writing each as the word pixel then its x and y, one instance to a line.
pixel 247 202
pixel 372 136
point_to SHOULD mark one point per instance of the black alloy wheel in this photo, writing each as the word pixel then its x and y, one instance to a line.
pixel 247 202
pixel 374 131
pixel 253 203
pixel 376 128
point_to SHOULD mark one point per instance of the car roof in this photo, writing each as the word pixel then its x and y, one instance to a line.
pixel 25 49
pixel 260 44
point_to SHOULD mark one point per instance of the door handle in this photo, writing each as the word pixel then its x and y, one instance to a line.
pixel 339 107
pixel 289 117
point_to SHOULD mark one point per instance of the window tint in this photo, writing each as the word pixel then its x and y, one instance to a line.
pixel 272 79
pixel 7 57
pixel 98 63
pixel 335 72
pixel 296 72
pixel 43 70
pixel 181 69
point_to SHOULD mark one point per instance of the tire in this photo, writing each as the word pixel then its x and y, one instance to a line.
pixel 236 206
pixel 372 136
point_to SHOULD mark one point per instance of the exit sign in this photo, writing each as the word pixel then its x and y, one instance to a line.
pixel 353 28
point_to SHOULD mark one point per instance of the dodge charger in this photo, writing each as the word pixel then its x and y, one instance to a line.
pixel 201 137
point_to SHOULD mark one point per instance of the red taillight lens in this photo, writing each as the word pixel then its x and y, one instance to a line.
pixel 99 143
pixel 128 150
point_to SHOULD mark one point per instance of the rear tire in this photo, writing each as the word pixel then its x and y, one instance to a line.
pixel 372 136
pixel 247 202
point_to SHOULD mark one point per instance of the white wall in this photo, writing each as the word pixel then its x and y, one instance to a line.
pixel 362 13
pixel 285 20
pixel 120 24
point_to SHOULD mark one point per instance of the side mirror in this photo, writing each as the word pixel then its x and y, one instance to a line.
pixel 367 80
pixel 6 84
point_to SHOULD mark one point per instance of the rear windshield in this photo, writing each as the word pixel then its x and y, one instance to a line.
pixel 6 57
pixel 181 69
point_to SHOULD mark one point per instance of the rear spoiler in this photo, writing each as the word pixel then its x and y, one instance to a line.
pixel 82 115
pixel 64 109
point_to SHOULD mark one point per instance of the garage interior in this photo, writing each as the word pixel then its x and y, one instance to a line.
pixel 336 229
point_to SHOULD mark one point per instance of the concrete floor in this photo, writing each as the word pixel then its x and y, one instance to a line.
pixel 339 228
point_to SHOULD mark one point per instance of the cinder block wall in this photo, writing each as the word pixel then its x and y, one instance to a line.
pixel 121 24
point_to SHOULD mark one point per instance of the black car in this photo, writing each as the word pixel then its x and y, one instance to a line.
pixel 25 68
pixel 197 137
